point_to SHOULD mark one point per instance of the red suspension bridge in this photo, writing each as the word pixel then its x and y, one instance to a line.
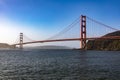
pixel 85 24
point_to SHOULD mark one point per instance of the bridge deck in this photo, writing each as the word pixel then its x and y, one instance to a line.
pixel 74 39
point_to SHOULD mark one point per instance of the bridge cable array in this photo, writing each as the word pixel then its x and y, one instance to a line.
pixel 69 27
pixel 27 38
pixel 102 24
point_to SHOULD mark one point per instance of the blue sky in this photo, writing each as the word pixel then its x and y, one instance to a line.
pixel 40 19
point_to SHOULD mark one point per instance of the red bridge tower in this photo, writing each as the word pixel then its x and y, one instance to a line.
pixel 21 41
pixel 83 32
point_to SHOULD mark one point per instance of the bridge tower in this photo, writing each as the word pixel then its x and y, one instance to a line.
pixel 83 32
pixel 21 41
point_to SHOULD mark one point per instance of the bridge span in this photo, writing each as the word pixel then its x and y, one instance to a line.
pixel 83 35
pixel 75 39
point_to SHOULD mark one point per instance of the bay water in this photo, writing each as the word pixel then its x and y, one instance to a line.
pixel 35 64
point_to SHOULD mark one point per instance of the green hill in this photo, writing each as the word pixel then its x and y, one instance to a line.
pixel 110 44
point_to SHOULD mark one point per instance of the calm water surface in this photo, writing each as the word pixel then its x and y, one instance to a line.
pixel 59 65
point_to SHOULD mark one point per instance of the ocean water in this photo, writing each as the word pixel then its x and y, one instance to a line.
pixel 59 65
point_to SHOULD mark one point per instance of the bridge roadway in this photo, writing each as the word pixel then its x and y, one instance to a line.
pixel 70 39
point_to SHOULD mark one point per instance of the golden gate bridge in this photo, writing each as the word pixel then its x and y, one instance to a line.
pixel 84 33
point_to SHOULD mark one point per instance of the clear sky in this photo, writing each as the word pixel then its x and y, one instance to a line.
pixel 39 19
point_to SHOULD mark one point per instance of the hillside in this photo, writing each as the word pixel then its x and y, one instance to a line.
pixel 105 44
pixel 5 45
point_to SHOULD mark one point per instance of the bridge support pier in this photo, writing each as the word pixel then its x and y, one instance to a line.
pixel 21 40
pixel 14 46
pixel 83 32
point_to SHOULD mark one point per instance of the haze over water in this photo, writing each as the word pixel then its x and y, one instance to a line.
pixel 59 65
